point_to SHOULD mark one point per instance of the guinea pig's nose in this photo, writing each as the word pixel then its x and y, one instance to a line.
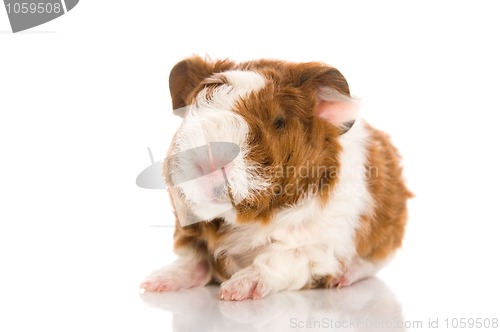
pixel 216 156
pixel 196 162
pixel 204 166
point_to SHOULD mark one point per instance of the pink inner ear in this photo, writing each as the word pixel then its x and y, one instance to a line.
pixel 336 108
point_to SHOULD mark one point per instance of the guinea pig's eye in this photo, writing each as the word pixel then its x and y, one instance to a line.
pixel 279 123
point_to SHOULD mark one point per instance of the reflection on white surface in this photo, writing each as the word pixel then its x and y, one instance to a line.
pixel 368 305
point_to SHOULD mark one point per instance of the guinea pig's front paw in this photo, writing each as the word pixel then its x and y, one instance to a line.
pixel 177 276
pixel 158 282
pixel 245 284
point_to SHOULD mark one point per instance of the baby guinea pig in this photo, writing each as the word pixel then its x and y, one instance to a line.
pixel 275 183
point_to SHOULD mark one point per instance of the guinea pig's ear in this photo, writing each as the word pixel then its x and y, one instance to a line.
pixel 187 75
pixel 336 108
pixel 333 99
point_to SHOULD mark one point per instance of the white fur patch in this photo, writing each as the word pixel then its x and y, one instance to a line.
pixel 307 240
pixel 245 80
pixel 212 119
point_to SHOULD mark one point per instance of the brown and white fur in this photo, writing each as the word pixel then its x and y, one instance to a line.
pixel 335 218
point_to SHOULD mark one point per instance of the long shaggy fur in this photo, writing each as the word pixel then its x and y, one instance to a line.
pixel 316 197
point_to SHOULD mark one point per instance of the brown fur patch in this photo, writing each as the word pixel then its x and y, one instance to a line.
pixel 187 75
pixel 203 238
pixel 293 147
pixel 381 232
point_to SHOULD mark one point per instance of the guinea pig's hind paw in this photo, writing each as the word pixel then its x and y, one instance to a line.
pixel 358 269
pixel 331 282
pixel 337 282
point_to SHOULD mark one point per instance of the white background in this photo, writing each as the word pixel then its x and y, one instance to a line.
pixel 83 96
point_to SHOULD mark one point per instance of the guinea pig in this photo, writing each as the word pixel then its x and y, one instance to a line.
pixel 275 182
